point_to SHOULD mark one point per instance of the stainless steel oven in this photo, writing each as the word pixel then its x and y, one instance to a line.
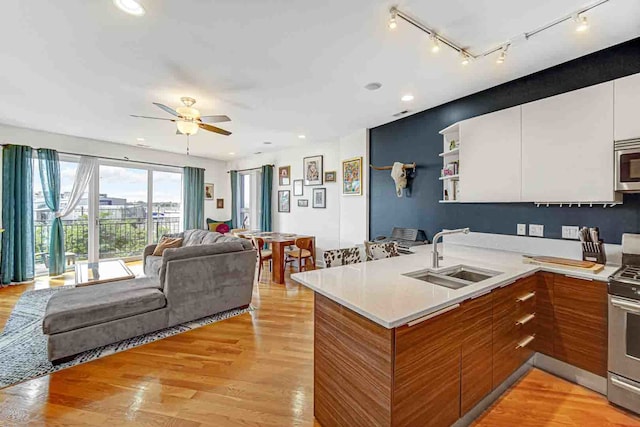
pixel 627 157
pixel 624 334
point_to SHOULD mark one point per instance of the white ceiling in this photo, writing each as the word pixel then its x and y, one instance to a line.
pixel 278 68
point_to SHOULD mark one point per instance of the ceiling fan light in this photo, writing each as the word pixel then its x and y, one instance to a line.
pixel 188 112
pixel 132 7
pixel 187 128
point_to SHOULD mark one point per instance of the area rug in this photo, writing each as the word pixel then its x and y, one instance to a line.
pixel 23 346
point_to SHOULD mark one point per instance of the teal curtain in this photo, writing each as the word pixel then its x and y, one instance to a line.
pixel 265 203
pixel 235 199
pixel 193 194
pixel 49 166
pixel 17 259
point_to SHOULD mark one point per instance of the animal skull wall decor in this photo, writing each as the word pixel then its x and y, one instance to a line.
pixel 399 176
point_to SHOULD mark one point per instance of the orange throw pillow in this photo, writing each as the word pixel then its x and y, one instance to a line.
pixel 166 243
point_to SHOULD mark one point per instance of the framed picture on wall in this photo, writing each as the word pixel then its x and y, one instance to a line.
pixel 284 175
pixel 312 170
pixel 330 176
pixel 303 203
pixel 284 201
pixel 352 177
pixel 220 203
pixel 208 191
pixel 319 198
pixel 298 187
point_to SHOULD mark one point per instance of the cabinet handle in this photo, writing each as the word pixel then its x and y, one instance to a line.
pixel 526 319
pixel 579 278
pixel 526 297
pixel 525 342
pixel 432 315
pixel 623 384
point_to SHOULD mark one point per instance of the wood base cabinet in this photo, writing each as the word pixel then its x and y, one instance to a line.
pixel 580 323
pixel 477 351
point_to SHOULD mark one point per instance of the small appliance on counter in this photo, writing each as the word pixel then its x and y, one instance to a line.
pixel 624 328
pixel 592 245
pixel 406 238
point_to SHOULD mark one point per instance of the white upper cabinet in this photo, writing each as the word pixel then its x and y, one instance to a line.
pixel 567 147
pixel 626 107
pixel 490 154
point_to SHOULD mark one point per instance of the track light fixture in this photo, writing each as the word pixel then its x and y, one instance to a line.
pixel 435 43
pixel 392 21
pixel 578 16
pixel 582 24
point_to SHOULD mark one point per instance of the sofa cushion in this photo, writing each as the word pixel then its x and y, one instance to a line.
pixel 198 251
pixel 91 305
pixel 166 242
pixel 204 237
pixel 152 266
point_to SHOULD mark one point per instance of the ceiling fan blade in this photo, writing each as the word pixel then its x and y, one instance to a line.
pixel 154 118
pixel 215 119
pixel 213 129
pixel 167 109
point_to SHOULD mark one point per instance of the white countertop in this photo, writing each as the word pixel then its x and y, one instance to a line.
pixel 379 291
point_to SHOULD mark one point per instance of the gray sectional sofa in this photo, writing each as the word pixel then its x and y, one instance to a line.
pixel 210 273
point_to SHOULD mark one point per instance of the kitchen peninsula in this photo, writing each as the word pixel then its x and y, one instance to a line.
pixel 394 350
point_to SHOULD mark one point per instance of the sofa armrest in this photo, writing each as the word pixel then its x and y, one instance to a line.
pixel 148 250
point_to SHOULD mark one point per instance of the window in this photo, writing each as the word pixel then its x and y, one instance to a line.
pixel 250 196
pixel 166 211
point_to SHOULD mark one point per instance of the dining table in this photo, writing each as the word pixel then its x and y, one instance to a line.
pixel 279 243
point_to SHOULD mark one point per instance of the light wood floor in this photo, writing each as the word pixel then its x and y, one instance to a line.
pixel 252 370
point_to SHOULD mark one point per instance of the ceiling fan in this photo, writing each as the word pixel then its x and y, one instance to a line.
pixel 188 119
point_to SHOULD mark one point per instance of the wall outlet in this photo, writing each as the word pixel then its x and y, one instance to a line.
pixel 522 229
pixel 536 230
pixel 570 232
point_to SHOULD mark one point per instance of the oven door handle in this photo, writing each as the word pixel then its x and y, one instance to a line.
pixel 625 305
pixel 624 385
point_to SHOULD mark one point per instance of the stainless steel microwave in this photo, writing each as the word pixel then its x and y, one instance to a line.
pixel 627 155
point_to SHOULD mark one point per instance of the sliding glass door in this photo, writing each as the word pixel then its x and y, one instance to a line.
pixel 125 207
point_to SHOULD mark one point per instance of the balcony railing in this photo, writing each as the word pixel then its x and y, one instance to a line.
pixel 119 238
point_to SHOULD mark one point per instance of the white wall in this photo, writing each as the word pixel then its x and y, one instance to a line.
pixel 215 170
pixel 344 222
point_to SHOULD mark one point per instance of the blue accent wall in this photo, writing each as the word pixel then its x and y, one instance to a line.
pixel 416 138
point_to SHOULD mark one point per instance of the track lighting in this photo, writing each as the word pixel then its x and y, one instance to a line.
pixel 466 56
pixel 435 43
pixel 582 24
pixel 503 55
pixel 392 21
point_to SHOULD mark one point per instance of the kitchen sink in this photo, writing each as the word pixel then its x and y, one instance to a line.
pixel 470 274
pixel 455 277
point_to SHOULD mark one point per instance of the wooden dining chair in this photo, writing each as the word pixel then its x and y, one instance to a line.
pixel 303 252
pixel 263 254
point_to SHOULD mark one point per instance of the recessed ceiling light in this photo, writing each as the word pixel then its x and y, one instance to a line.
pixel 258 152
pixel 231 153
pixel 132 7
pixel 302 136
pixel 267 143
pixel 373 86
pixel 140 139
pixel 406 98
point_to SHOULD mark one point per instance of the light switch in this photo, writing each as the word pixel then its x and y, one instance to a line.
pixel 522 229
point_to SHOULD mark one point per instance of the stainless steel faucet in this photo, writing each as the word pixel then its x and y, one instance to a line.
pixel 435 257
